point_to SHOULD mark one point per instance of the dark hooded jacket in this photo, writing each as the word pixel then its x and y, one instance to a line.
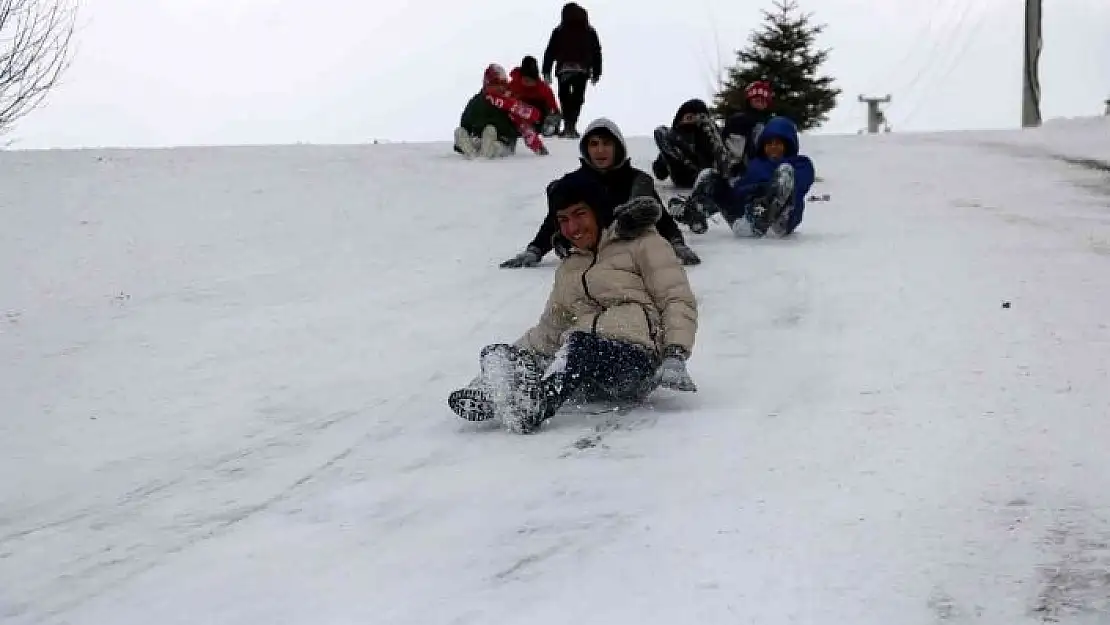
pixel 574 44
pixel 622 183
pixel 694 135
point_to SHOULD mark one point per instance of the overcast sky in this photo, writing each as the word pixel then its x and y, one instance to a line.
pixel 174 72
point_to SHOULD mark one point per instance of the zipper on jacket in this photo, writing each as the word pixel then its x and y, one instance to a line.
pixel 586 289
pixel 652 333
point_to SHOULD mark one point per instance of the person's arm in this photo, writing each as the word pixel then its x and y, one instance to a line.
pixel 670 291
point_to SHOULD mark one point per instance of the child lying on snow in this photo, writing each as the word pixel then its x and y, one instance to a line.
pixel 619 322
pixel 493 120
pixel 770 197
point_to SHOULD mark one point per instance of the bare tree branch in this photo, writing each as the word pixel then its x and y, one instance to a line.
pixel 35 47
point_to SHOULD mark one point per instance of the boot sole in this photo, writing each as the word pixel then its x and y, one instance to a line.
pixel 471 404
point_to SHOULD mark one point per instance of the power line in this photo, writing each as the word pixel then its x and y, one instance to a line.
pixel 897 68
pixel 953 61
pixel 915 101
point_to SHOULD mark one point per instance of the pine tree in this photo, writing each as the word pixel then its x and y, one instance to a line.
pixel 783 54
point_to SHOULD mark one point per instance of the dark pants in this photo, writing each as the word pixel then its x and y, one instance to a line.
pixel 592 367
pixel 572 94
pixel 766 203
pixel 586 367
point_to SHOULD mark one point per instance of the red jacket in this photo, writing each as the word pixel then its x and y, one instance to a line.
pixel 523 115
pixel 537 92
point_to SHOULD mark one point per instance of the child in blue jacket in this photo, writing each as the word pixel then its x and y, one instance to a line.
pixel 769 197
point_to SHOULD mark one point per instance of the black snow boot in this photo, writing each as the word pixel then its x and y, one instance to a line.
pixel 509 388
pixel 772 210
pixel 695 210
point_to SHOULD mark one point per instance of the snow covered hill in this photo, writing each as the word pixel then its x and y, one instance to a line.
pixel 223 375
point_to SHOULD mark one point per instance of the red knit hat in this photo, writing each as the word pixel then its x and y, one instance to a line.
pixel 759 89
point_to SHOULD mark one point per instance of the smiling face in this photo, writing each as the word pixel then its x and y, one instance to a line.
pixel 578 224
pixel 774 148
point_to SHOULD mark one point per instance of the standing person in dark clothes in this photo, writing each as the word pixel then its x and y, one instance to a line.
pixel 574 51
pixel 692 143
pixel 604 156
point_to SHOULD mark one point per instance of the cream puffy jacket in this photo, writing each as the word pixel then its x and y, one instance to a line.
pixel 633 288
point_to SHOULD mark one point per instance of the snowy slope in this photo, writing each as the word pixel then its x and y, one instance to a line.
pixel 224 370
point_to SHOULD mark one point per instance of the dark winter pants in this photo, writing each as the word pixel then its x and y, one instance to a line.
pixel 586 367
pixel 593 367
pixel 572 94
pixel 774 198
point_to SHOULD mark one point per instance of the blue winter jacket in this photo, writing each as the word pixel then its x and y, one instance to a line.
pixel 760 169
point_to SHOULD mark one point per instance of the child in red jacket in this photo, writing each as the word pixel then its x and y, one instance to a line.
pixel 525 83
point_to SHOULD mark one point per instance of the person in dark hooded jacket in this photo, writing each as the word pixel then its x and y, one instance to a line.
pixel 692 143
pixel 604 157
pixel 574 52
pixel 769 198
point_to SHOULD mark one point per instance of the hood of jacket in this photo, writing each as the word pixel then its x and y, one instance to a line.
pixel 696 106
pixel 574 13
pixel 607 126
pixel 780 128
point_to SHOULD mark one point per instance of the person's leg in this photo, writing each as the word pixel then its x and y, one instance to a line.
pixel 465 144
pixel 596 367
pixel 772 209
pixel 572 95
pixel 710 194
pixel 492 146
pixel 678 155
pixel 723 158
pixel 506 387
pixel 514 386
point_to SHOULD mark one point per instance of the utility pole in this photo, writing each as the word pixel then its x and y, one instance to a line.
pixel 875 116
pixel 1031 82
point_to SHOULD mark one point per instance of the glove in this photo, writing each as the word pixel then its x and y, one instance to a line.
pixel 551 124
pixel 672 372
pixel 659 168
pixel 530 257
pixel 685 254
pixel 632 218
